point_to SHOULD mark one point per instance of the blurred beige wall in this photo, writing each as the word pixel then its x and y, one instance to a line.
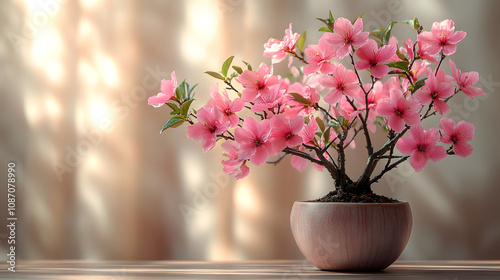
pixel 97 181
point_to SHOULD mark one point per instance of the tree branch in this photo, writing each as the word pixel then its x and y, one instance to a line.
pixel 392 166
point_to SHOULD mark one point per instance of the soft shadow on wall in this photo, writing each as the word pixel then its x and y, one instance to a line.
pixel 97 181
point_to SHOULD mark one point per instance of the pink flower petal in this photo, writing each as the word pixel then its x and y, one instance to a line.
pixel 299 163
pixel 208 142
pixel 311 68
pixel 457 37
pixel 418 161
pixel 462 149
pixel 197 131
pixel 466 130
pixel 380 70
pixel 441 107
pixel 396 123
pixel 406 146
pixel 279 144
pixel 244 171
pixel 437 154
pixel 259 157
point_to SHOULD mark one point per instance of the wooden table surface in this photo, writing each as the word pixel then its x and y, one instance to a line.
pixel 274 269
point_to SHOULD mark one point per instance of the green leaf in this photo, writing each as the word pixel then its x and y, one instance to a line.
pixel 388 31
pixel 185 107
pixel 416 23
pixel 216 75
pixel 180 91
pixel 379 34
pixel 322 20
pixel 299 98
pixel 417 85
pixel 326 135
pixel 238 69
pixel 403 65
pixel 330 17
pixel 226 65
pixel 190 92
pixel 175 108
pixel 358 18
pixel 174 121
pixel 249 67
pixel 381 122
pixel 413 23
pixel 321 124
pixel 400 55
pixel 301 41
pixel 325 29
pixel 343 121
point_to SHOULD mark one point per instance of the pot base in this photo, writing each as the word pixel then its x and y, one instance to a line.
pixel 351 236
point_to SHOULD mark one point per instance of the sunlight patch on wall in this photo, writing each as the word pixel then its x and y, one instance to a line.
pixel 46 53
pixel 201 30
pixel 88 74
pixel 99 112
pixel 246 201
pixel 52 107
pixel 32 110
pixel 193 170
pixel 89 4
pixel 109 71
pixel 247 211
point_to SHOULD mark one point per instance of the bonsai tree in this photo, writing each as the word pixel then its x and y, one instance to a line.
pixel 350 84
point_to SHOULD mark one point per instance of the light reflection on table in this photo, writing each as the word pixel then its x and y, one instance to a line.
pixel 274 269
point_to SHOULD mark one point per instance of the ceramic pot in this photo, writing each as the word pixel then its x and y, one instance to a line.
pixel 351 236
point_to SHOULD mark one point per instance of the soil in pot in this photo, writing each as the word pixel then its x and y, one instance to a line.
pixel 340 196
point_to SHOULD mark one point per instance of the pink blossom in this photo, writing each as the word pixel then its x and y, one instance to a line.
pixel 319 57
pixel 418 68
pixel 284 133
pixel 227 107
pixel 309 132
pixel 257 83
pixel 347 35
pixel 421 51
pixel 408 48
pixel 269 99
pixel 457 135
pixel 442 37
pixel 299 163
pixel 167 89
pixel 254 140
pixel 277 49
pixel 233 165
pixel 436 92
pixel 294 107
pixel 342 81
pixel 371 58
pixel 466 80
pixel 421 146
pixel 376 95
pixel 393 42
pixel 207 128
pixel 399 110
pixel 346 109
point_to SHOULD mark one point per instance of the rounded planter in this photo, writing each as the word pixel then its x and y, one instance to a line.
pixel 351 236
